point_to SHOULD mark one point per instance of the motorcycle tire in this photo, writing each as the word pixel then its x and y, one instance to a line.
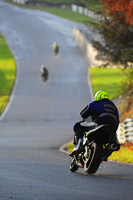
pixel 73 166
pixel 93 160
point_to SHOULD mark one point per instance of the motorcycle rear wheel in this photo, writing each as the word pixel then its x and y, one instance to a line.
pixel 73 166
pixel 93 160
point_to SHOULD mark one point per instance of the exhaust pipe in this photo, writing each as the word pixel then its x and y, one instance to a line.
pixel 113 147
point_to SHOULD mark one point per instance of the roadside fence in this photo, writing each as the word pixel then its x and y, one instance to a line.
pixel 20 1
pixel 125 131
pixel 85 11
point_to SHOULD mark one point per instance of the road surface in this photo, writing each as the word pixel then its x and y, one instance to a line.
pixel 39 117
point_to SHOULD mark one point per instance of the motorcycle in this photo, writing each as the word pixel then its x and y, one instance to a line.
pixel 96 148
pixel 44 73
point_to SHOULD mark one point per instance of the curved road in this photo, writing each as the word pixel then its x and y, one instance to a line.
pixel 40 115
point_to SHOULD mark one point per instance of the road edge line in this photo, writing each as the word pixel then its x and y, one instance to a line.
pixel 62 148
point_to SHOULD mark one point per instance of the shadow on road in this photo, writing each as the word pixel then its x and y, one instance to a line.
pixel 106 176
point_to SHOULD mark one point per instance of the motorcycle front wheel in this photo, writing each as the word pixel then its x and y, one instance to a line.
pixel 93 159
pixel 73 166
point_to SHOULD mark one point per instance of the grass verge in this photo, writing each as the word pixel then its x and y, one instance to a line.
pixel 125 154
pixel 7 73
pixel 73 16
pixel 108 79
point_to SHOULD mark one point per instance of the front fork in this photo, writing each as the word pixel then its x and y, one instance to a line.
pixel 87 149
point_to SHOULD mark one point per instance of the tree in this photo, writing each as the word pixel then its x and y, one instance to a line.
pixel 117 31
pixel 123 9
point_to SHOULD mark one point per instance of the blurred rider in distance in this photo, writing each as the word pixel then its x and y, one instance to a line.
pixel 55 46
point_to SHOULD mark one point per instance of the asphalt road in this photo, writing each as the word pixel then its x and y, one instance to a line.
pixel 39 117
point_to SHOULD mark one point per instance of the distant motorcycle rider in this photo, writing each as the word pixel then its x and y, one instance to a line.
pixel 55 47
pixel 102 111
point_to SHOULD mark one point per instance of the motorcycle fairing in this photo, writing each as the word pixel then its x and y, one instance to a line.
pixel 95 129
pixel 101 133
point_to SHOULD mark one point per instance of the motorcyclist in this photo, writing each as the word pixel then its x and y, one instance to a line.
pixel 55 46
pixel 102 111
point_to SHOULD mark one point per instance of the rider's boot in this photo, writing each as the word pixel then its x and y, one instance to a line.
pixel 77 148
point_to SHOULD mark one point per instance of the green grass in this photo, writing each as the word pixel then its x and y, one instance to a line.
pixel 73 16
pixel 125 154
pixel 7 73
pixel 94 5
pixel 108 79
